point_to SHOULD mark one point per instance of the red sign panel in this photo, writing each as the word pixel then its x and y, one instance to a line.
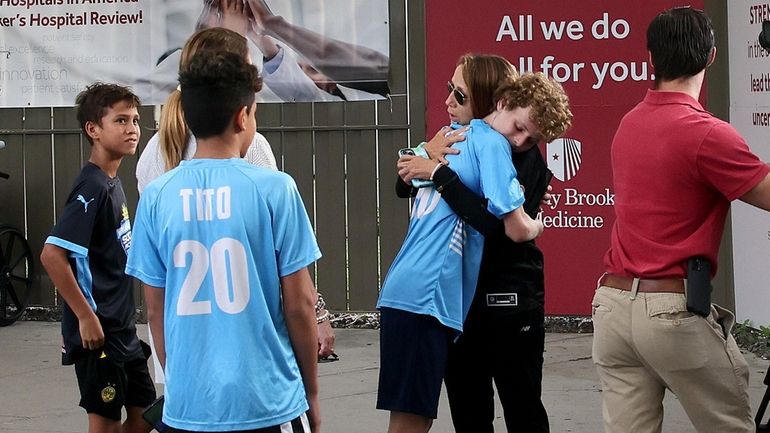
pixel 597 50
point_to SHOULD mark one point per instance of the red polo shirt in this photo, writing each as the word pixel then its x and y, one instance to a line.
pixel 676 168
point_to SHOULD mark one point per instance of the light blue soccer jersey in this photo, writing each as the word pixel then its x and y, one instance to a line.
pixel 436 270
pixel 218 235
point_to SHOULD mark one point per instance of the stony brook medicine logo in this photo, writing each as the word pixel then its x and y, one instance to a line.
pixel 573 207
pixel 564 156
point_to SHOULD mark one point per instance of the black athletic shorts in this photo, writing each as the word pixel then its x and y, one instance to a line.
pixel 413 356
pixel 106 386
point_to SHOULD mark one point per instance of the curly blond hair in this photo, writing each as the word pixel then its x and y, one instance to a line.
pixel 548 101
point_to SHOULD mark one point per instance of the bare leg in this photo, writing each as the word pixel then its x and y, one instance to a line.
pixel 402 422
pixel 100 424
pixel 134 422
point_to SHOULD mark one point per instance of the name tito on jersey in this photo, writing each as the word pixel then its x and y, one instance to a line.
pixel 209 203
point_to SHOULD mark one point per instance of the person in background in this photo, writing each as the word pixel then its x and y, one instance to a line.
pixel 350 65
pixel 654 325
pixel 223 248
pixel 504 328
pixel 292 76
pixel 429 307
pixel 174 143
pixel 85 256
pixel 358 72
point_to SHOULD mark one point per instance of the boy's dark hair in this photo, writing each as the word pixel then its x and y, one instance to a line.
pixel 214 87
pixel 680 41
pixel 93 102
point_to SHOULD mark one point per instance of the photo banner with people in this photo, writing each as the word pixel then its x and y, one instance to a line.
pixel 750 115
pixel 306 50
pixel 597 51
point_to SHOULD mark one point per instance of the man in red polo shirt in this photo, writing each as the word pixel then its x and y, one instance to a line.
pixel 676 170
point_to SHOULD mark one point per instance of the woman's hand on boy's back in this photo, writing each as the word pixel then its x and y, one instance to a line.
pixel 441 143
pixel 415 167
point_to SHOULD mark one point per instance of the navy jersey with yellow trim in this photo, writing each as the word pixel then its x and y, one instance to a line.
pixel 95 228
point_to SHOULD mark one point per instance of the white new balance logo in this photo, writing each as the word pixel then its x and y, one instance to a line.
pixel 84 201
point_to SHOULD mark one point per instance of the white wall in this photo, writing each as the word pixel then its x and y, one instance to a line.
pixel 751 227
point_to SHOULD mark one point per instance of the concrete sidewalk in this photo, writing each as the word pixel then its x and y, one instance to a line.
pixel 39 395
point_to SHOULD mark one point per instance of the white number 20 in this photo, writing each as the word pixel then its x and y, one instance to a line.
pixel 228 264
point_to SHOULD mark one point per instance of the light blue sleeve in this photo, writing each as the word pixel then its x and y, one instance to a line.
pixel 144 258
pixel 497 173
pixel 295 242
pixel 270 66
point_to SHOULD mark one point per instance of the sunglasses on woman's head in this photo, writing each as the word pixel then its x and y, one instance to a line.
pixel 459 95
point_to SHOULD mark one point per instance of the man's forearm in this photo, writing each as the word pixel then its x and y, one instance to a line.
pixel 759 196
pixel 343 62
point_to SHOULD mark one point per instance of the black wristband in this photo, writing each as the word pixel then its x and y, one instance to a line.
pixel 443 177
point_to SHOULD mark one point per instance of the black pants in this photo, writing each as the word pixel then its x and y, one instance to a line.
pixel 508 351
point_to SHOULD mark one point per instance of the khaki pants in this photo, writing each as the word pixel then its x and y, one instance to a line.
pixel 645 343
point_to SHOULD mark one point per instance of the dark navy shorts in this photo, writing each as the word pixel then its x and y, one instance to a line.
pixel 413 356
pixel 106 386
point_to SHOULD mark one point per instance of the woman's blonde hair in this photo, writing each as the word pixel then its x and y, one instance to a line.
pixel 173 131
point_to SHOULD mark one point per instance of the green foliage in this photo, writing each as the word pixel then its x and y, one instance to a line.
pixel 752 339
pixel 765 331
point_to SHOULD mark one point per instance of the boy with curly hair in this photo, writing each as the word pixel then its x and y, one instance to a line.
pixel 430 286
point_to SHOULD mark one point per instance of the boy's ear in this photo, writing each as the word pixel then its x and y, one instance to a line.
pixel 92 129
pixel 240 118
pixel 500 105
pixel 712 56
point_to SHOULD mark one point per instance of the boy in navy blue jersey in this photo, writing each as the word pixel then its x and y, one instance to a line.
pixel 85 256
pixel 222 247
